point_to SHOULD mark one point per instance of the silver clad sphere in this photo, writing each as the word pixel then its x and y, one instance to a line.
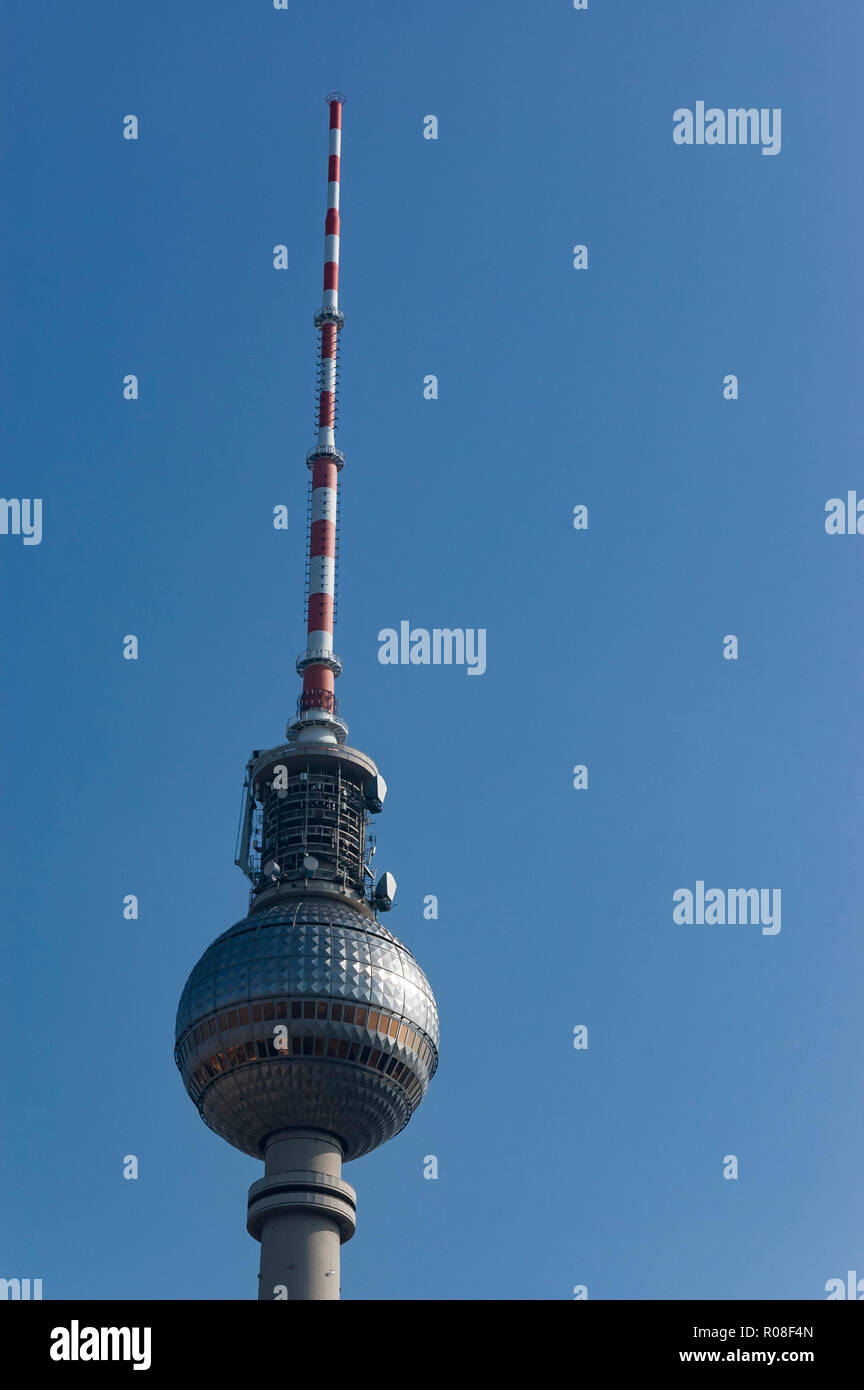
pixel 310 1014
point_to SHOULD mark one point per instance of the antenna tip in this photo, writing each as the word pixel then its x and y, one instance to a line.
pixel 336 98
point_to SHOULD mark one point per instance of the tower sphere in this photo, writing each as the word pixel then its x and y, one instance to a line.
pixel 307 1014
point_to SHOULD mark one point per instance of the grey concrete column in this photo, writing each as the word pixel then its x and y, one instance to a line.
pixel 301 1211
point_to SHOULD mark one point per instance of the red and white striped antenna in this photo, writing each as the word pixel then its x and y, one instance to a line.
pixel 317 718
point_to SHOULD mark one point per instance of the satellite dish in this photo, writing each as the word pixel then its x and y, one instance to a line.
pixel 310 863
pixel 272 870
pixel 385 892
pixel 374 793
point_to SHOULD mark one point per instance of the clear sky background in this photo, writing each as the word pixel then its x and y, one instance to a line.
pixel 557 387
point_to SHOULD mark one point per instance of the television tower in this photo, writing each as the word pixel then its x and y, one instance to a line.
pixel 307 1034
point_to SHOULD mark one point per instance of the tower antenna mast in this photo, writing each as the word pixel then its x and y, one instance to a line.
pixel 317 715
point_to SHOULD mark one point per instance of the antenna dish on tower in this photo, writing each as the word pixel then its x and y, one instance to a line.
pixel 385 892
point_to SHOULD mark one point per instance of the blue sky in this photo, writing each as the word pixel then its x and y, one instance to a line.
pixel 556 387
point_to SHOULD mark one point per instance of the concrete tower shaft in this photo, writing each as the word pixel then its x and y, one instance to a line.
pixel 301 1211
